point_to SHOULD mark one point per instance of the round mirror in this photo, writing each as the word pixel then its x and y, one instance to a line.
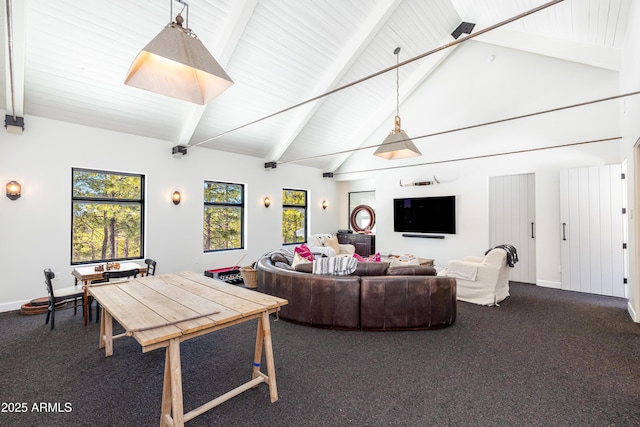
pixel 362 218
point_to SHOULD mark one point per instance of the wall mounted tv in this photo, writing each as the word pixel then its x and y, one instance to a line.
pixel 425 215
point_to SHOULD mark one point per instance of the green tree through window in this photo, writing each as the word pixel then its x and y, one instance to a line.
pixel 294 216
pixel 107 216
pixel 223 216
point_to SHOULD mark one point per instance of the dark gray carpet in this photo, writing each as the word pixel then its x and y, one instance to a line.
pixel 543 358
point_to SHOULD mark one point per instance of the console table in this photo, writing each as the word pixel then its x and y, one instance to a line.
pixel 365 243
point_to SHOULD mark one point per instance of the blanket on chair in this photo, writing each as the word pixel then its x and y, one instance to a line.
pixel 336 266
pixel 512 254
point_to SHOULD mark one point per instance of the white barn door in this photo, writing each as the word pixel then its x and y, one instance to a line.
pixel 512 221
pixel 591 220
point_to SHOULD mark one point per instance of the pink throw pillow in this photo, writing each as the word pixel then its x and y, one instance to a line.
pixel 372 258
pixel 304 251
pixel 359 258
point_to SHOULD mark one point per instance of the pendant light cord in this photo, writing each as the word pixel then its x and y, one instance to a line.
pixel 10 46
pixel 408 61
pixel 397 52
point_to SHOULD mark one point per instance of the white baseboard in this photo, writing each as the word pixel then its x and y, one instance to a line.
pixel 632 312
pixel 12 306
pixel 549 284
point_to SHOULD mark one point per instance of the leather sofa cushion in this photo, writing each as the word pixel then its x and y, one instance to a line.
pixel 412 270
pixel 363 268
pixel 276 257
pixel 371 269
pixel 305 267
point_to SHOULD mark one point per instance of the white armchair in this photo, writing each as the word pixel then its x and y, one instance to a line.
pixel 327 245
pixel 481 280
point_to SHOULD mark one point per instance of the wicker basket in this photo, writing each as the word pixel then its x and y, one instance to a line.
pixel 249 276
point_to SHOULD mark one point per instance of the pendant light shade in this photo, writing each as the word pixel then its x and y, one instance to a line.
pixel 176 63
pixel 397 145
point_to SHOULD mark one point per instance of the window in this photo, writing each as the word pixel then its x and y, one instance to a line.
pixel 223 216
pixel 107 216
pixel 294 216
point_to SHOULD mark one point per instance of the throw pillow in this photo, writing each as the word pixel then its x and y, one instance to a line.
pixel 372 258
pixel 375 258
pixel 304 251
pixel 299 259
pixel 332 242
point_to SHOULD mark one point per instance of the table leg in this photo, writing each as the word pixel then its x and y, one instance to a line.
pixel 172 387
pixel 165 411
pixel 268 355
pixel 106 332
pixel 102 330
pixel 85 304
pixel 257 353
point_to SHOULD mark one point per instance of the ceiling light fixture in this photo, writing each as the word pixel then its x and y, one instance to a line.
pixel 176 63
pixel 397 145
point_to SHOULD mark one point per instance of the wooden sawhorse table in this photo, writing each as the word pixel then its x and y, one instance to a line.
pixel 165 310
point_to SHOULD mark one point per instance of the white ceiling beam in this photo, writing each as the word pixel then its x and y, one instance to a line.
pixel 386 113
pixel 375 21
pixel 235 24
pixel 14 101
pixel 590 54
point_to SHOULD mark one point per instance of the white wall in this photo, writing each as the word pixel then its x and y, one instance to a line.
pixel 515 83
pixel 469 182
pixel 35 229
pixel 630 128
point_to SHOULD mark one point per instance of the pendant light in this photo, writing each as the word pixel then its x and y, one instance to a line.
pixel 176 63
pixel 397 145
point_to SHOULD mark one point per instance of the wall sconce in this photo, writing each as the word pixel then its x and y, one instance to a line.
pixel 267 202
pixel 324 204
pixel 176 197
pixel 13 190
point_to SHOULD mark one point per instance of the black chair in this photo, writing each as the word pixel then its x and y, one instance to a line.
pixel 120 274
pixel 106 277
pixel 62 295
pixel 151 266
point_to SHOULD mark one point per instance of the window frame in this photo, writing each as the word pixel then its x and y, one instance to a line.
pixel 105 200
pixel 306 215
pixel 241 205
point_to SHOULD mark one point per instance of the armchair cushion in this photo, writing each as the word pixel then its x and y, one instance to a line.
pixel 480 280
pixel 466 270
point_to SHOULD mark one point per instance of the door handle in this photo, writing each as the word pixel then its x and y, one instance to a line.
pixel 532 236
pixel 564 231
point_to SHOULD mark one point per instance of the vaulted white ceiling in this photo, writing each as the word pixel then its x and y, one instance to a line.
pixel 69 59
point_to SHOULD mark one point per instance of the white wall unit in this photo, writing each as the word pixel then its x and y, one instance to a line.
pixel 592 230
pixel 512 220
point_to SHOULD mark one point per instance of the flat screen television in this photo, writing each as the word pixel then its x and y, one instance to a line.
pixel 425 215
